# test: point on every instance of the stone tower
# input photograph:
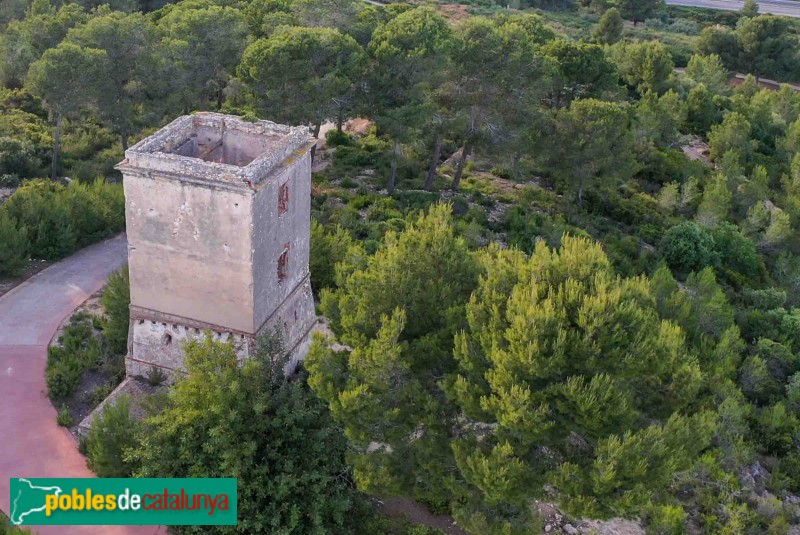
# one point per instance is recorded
(218, 222)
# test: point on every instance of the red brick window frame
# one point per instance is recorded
(283, 263)
(283, 198)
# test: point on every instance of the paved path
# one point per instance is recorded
(33, 445)
(788, 8)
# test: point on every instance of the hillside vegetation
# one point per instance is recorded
(556, 269)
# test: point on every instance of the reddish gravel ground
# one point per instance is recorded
(33, 444)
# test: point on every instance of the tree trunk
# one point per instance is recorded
(515, 164)
(393, 176)
(461, 164)
(56, 147)
(124, 141)
(340, 119)
(220, 98)
(580, 197)
(392, 179)
(317, 127)
(437, 153)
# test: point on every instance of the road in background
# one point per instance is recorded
(788, 8)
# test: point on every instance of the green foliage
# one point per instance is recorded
(126, 61)
(64, 418)
(638, 10)
(25, 41)
(116, 300)
(644, 65)
(110, 439)
(609, 29)
(737, 253)
(688, 247)
(276, 70)
(226, 419)
(328, 248)
(776, 430)
(59, 219)
(13, 246)
(716, 203)
(7, 529)
(709, 71)
(428, 287)
(78, 350)
(734, 134)
(750, 8)
(525, 304)
(760, 45)
(337, 138)
(582, 70)
(207, 42)
(658, 119)
(63, 373)
(591, 145)
(17, 157)
(519, 336)
(667, 520)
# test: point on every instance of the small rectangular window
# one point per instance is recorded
(283, 263)
(283, 198)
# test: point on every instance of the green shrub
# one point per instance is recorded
(100, 392)
(116, 300)
(112, 434)
(353, 157)
(328, 248)
(17, 157)
(63, 373)
(59, 219)
(336, 138)
(9, 181)
(7, 529)
(64, 417)
(13, 246)
(776, 430)
(80, 350)
(737, 252)
(688, 247)
(667, 520)
(156, 376)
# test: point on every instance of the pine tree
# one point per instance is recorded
(111, 437)
(749, 9)
(249, 421)
(609, 29)
(116, 299)
(716, 202)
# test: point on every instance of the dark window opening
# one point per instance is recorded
(283, 198)
(283, 263)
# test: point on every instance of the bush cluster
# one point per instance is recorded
(47, 220)
(79, 350)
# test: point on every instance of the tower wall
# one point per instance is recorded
(190, 250)
(218, 221)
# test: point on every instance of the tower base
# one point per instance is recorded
(156, 339)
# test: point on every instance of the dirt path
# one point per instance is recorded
(34, 445)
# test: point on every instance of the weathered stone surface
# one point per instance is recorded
(138, 391)
(206, 232)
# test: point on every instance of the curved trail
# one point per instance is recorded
(33, 444)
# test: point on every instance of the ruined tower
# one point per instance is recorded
(218, 222)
